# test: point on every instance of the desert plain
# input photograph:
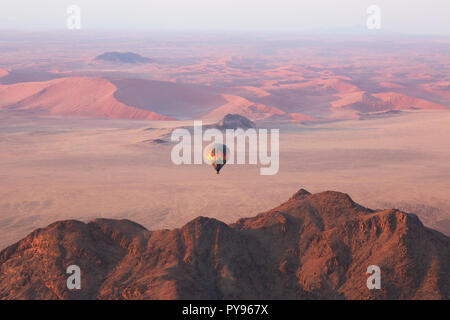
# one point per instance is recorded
(57, 169)
(78, 136)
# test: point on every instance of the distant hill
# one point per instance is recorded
(234, 121)
(123, 57)
(314, 246)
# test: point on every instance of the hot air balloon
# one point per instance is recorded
(217, 156)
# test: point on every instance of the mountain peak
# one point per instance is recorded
(300, 194)
(340, 198)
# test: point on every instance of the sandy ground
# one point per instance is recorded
(54, 169)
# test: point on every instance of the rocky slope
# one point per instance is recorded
(314, 246)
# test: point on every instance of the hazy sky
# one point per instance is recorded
(405, 16)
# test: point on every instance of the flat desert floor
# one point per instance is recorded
(72, 168)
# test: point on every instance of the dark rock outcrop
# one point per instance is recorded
(123, 57)
(234, 121)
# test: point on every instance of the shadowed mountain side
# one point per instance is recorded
(314, 246)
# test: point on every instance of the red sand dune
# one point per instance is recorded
(315, 97)
(244, 107)
(325, 96)
(438, 89)
(168, 98)
(300, 117)
(333, 85)
(338, 85)
(346, 99)
(391, 85)
(12, 94)
(252, 110)
(400, 101)
(366, 102)
(76, 96)
(253, 91)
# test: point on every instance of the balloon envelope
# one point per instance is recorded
(217, 156)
